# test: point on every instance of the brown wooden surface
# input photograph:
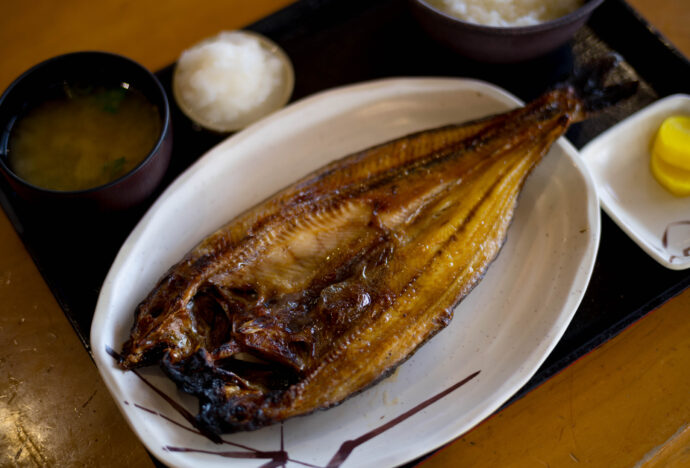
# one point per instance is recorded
(671, 17)
(623, 405)
(54, 409)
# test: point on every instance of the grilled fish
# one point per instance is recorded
(327, 286)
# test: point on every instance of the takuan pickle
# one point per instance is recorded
(670, 160)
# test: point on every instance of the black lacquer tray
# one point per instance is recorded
(339, 42)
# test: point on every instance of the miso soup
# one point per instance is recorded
(84, 137)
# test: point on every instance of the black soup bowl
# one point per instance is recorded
(53, 78)
(500, 44)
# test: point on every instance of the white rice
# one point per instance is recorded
(507, 12)
(225, 79)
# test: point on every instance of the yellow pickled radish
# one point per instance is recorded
(672, 142)
(670, 161)
(674, 179)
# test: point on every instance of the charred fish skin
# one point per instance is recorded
(318, 292)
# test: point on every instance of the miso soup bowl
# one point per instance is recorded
(38, 82)
(499, 44)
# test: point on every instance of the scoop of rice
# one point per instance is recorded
(225, 79)
(507, 12)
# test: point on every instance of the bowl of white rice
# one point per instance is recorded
(231, 80)
(503, 31)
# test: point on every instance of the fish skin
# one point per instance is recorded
(321, 290)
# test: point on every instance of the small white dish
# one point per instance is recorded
(656, 220)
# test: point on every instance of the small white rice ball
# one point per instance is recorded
(225, 80)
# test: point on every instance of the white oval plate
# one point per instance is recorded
(655, 219)
(504, 329)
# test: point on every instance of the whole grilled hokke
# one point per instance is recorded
(331, 283)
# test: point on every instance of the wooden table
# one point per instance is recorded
(622, 404)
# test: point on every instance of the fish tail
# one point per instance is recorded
(589, 83)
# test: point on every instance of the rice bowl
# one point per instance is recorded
(231, 80)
